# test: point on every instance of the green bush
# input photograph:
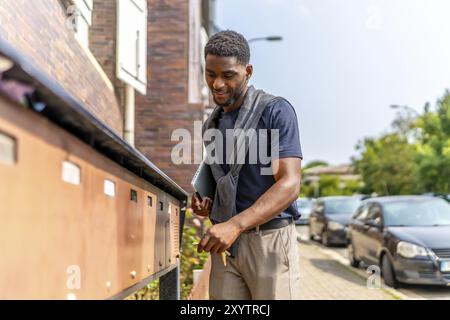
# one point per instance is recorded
(190, 259)
(149, 292)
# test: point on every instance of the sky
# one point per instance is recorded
(342, 63)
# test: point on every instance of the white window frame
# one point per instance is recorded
(83, 20)
(195, 71)
(132, 36)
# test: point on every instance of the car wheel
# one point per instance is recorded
(325, 240)
(312, 237)
(355, 263)
(388, 272)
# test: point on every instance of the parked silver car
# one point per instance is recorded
(304, 206)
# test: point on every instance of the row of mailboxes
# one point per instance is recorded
(75, 224)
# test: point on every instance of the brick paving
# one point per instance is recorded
(325, 279)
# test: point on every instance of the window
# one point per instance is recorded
(80, 18)
(319, 207)
(132, 43)
(422, 211)
(374, 213)
(341, 205)
(197, 42)
(362, 213)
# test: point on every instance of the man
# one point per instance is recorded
(265, 262)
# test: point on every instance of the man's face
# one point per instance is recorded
(226, 78)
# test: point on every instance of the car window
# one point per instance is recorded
(304, 203)
(358, 213)
(341, 205)
(319, 205)
(374, 213)
(362, 213)
(417, 212)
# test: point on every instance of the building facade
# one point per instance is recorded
(175, 91)
(105, 83)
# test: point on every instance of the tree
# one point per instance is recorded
(387, 165)
(330, 185)
(316, 163)
(434, 151)
(415, 158)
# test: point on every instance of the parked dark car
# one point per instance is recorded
(407, 236)
(304, 206)
(330, 217)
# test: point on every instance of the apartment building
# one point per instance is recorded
(90, 91)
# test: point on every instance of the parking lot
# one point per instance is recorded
(353, 284)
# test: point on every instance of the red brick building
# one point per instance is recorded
(175, 95)
(100, 71)
(167, 105)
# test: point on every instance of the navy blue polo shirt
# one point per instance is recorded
(278, 114)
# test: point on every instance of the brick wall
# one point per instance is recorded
(165, 107)
(38, 29)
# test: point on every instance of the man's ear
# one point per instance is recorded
(249, 71)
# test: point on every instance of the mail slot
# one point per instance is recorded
(133, 195)
(8, 151)
(149, 201)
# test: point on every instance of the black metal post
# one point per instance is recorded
(169, 285)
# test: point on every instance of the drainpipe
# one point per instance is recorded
(129, 114)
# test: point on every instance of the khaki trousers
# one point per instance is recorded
(266, 268)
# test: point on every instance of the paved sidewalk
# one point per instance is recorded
(323, 278)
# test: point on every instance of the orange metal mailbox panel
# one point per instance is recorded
(75, 224)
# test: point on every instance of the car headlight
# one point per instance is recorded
(334, 226)
(409, 250)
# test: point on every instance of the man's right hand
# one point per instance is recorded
(201, 208)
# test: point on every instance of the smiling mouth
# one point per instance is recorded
(220, 94)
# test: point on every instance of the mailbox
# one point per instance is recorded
(83, 214)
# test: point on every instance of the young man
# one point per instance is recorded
(252, 212)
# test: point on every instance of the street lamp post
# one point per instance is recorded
(407, 108)
(269, 38)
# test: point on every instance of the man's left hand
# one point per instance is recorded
(219, 237)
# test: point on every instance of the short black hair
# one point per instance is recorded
(229, 44)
